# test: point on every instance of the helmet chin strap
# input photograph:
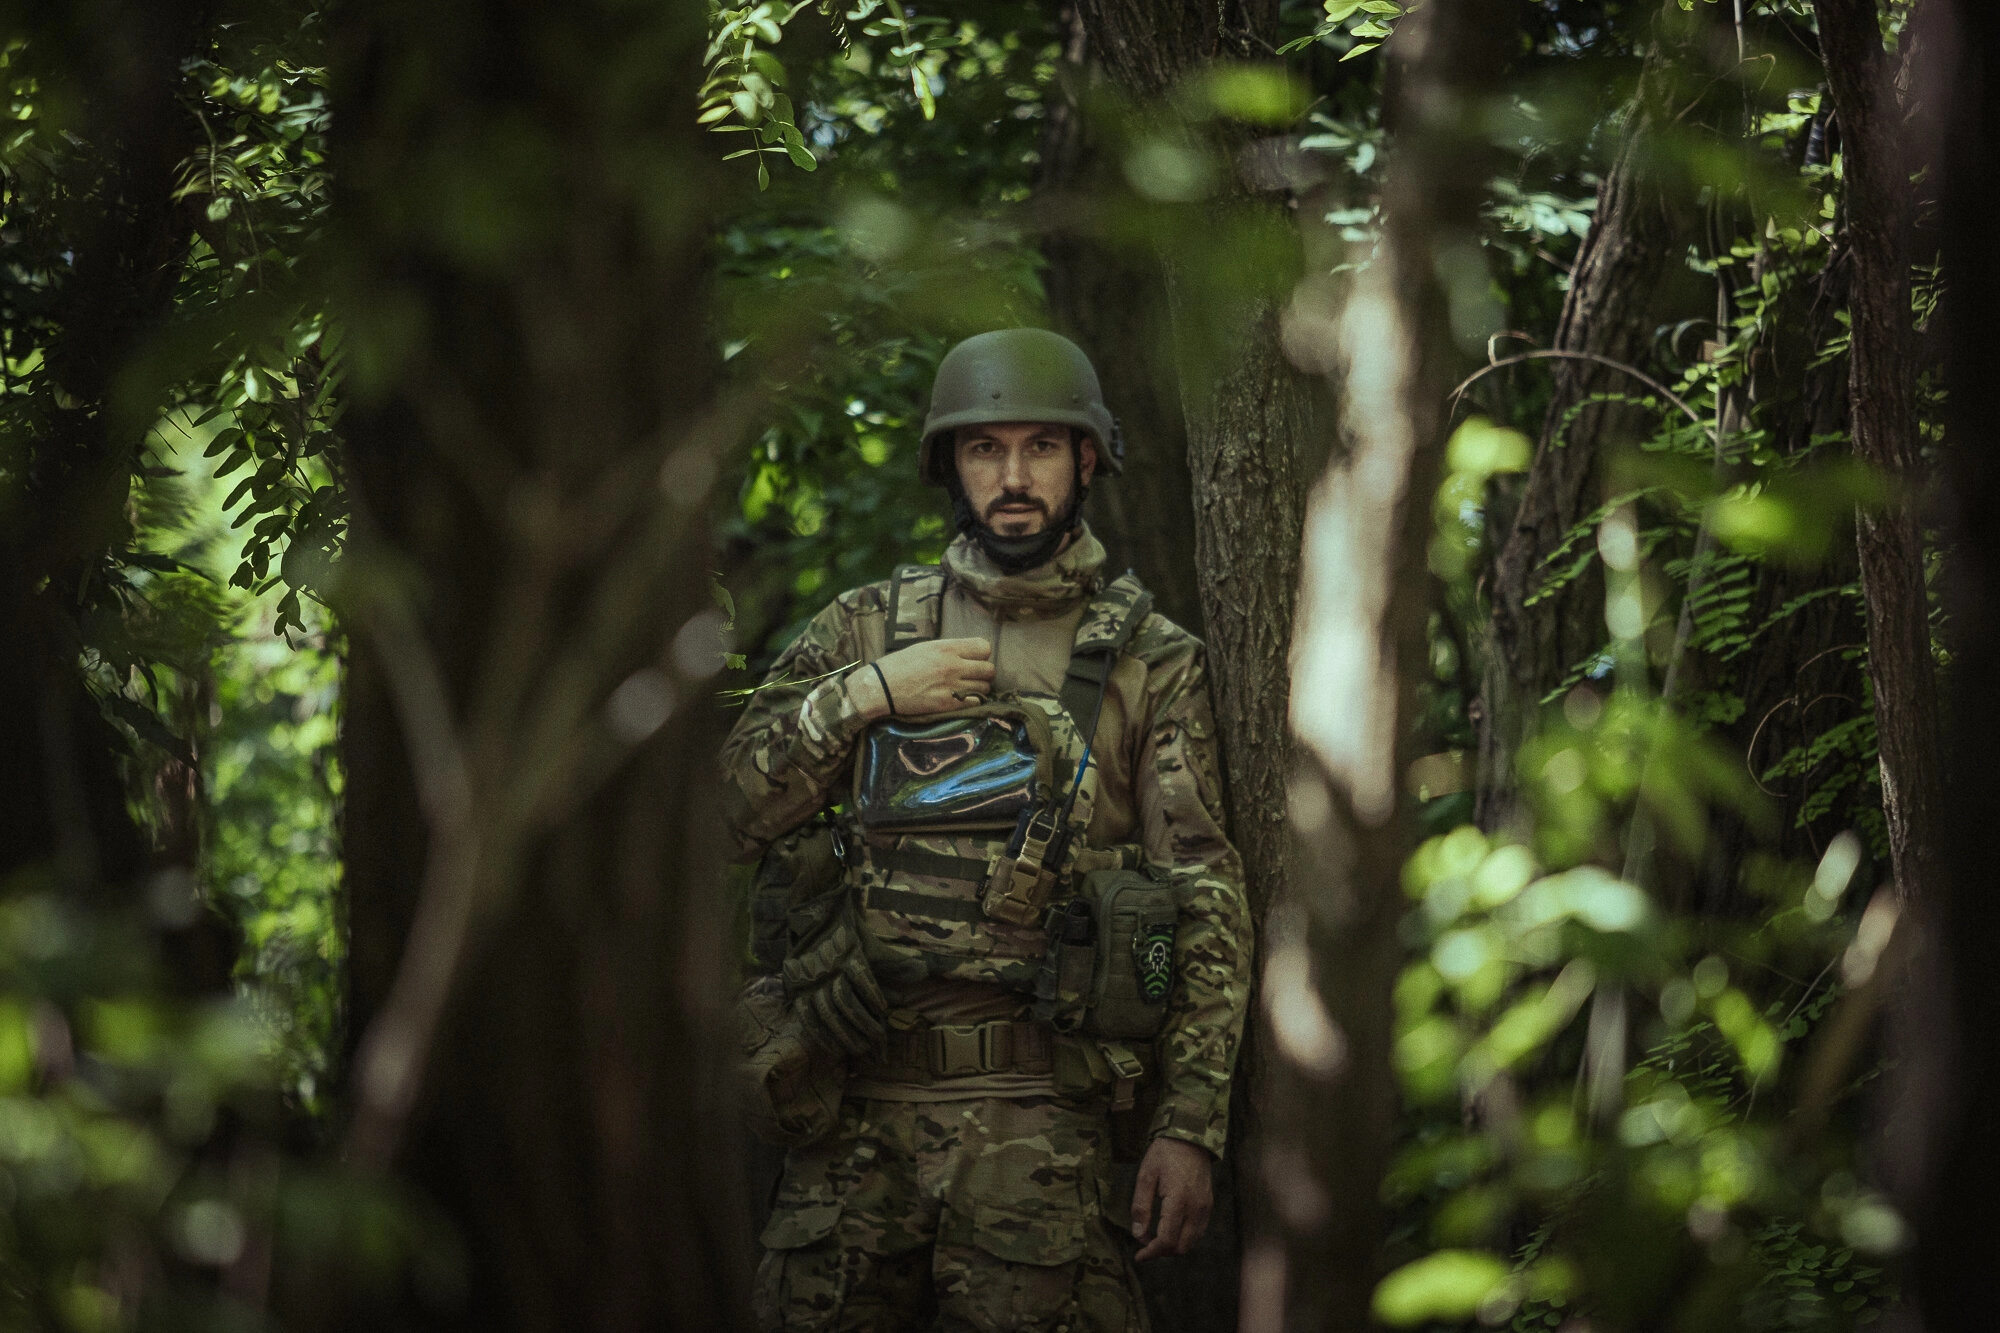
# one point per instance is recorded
(1018, 555)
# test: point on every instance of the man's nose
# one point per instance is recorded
(1014, 470)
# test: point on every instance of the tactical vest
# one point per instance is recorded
(972, 823)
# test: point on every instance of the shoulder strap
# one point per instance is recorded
(1108, 624)
(916, 608)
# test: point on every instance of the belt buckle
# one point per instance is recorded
(957, 1050)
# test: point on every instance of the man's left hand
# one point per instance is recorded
(1177, 1173)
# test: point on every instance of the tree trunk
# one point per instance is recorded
(1948, 1080)
(1362, 661)
(538, 967)
(1645, 217)
(1803, 676)
(63, 806)
(1882, 398)
(1112, 301)
(1249, 417)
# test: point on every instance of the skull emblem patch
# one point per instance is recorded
(1153, 959)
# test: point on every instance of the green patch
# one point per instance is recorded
(1153, 960)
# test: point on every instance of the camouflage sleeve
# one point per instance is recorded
(790, 749)
(1181, 819)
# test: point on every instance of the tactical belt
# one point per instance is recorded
(954, 1050)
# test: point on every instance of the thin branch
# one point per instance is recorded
(1556, 354)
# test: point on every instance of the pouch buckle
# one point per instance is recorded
(961, 1049)
(1126, 1071)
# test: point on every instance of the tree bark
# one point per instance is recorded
(1803, 676)
(1249, 417)
(1882, 400)
(1639, 233)
(1361, 665)
(1948, 1079)
(65, 812)
(1112, 301)
(539, 977)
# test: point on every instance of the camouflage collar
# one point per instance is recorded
(1047, 589)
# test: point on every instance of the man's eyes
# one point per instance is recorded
(1043, 446)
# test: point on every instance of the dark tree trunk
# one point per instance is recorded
(1249, 419)
(1646, 215)
(538, 961)
(1882, 399)
(1367, 583)
(63, 804)
(1112, 301)
(1250, 416)
(1949, 1079)
(1804, 675)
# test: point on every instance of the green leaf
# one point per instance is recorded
(1448, 1286)
(148, 726)
(1255, 94)
(802, 158)
(1359, 49)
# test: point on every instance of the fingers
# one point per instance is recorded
(970, 648)
(1196, 1225)
(1142, 1198)
(1167, 1240)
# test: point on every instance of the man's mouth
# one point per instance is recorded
(1015, 509)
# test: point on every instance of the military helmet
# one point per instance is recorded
(1016, 375)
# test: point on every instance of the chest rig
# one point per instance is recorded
(972, 823)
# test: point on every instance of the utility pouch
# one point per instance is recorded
(1090, 1069)
(795, 871)
(1018, 890)
(977, 768)
(1136, 915)
(789, 1087)
(1062, 990)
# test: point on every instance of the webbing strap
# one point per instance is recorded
(930, 906)
(937, 865)
(1090, 662)
(1084, 685)
(893, 636)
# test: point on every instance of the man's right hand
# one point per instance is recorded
(932, 677)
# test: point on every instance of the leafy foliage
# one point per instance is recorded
(1544, 1173)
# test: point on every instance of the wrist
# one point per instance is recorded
(865, 692)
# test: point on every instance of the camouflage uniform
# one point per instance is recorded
(982, 1197)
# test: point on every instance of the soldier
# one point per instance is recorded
(1042, 915)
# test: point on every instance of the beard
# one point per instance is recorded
(992, 517)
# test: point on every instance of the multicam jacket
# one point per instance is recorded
(792, 754)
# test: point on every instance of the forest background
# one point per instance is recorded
(1559, 418)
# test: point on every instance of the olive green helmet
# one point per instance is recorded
(1016, 375)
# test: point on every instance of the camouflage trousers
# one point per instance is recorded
(985, 1214)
